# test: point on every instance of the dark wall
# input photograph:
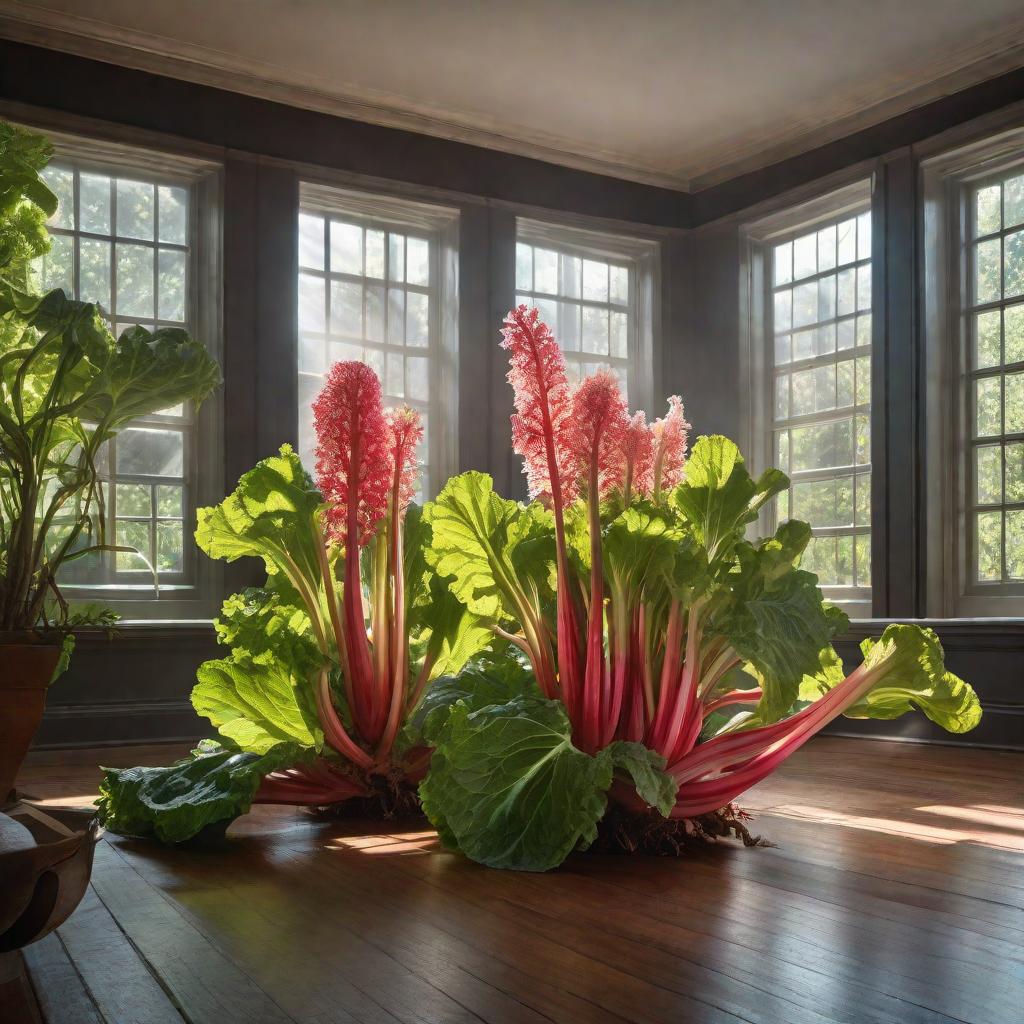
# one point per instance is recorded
(136, 686)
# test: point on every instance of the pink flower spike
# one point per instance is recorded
(543, 415)
(670, 434)
(406, 430)
(600, 420)
(638, 451)
(353, 455)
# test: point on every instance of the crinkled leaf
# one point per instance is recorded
(475, 536)
(718, 497)
(258, 704)
(149, 371)
(646, 770)
(481, 684)
(173, 804)
(509, 788)
(261, 624)
(914, 675)
(776, 619)
(268, 515)
(640, 547)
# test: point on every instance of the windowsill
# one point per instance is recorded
(988, 633)
(136, 631)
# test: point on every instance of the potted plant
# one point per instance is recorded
(66, 388)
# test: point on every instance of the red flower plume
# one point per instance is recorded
(670, 438)
(353, 455)
(406, 432)
(638, 453)
(543, 416)
(600, 420)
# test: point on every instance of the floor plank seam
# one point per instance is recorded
(201, 931)
(145, 961)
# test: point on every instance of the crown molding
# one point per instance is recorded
(965, 67)
(882, 99)
(141, 51)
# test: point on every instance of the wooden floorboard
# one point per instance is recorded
(894, 895)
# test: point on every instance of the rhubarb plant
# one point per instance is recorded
(328, 662)
(673, 662)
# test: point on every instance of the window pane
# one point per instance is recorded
(594, 333)
(1013, 200)
(136, 207)
(94, 203)
(986, 270)
(986, 339)
(171, 304)
(1013, 264)
(346, 248)
(524, 266)
(173, 214)
(56, 268)
(818, 320)
(62, 183)
(170, 537)
(989, 475)
(94, 270)
(132, 244)
(805, 256)
(145, 452)
(988, 419)
(377, 287)
(311, 241)
(417, 262)
(989, 545)
(986, 210)
(1013, 334)
(135, 280)
(782, 261)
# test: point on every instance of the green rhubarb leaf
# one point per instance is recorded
(913, 675)
(775, 617)
(262, 624)
(718, 497)
(149, 371)
(173, 804)
(257, 704)
(646, 770)
(508, 788)
(475, 537)
(481, 684)
(269, 515)
(640, 546)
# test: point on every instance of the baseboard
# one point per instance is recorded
(116, 723)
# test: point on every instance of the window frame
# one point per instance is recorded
(758, 239)
(948, 180)
(643, 257)
(440, 224)
(194, 593)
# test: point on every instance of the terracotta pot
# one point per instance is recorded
(25, 673)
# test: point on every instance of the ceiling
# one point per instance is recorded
(681, 93)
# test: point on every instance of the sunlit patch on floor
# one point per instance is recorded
(913, 824)
(412, 843)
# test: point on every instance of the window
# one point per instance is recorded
(377, 283)
(994, 324)
(125, 236)
(595, 292)
(816, 379)
(973, 287)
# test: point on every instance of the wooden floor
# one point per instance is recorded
(895, 893)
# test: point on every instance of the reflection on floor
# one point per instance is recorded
(895, 893)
